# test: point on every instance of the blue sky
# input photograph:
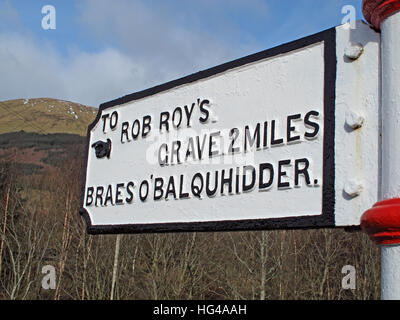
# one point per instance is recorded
(103, 49)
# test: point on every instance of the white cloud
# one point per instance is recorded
(163, 39)
(141, 46)
(29, 70)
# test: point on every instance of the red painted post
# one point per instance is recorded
(376, 11)
(382, 221)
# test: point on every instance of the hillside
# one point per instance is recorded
(40, 134)
(32, 151)
(45, 115)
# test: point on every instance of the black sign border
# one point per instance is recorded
(326, 219)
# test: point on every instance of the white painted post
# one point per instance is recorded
(390, 273)
(390, 55)
(382, 222)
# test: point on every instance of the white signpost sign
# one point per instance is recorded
(284, 138)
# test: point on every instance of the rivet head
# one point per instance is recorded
(354, 51)
(352, 188)
(354, 120)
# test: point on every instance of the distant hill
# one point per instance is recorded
(34, 151)
(40, 134)
(44, 116)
